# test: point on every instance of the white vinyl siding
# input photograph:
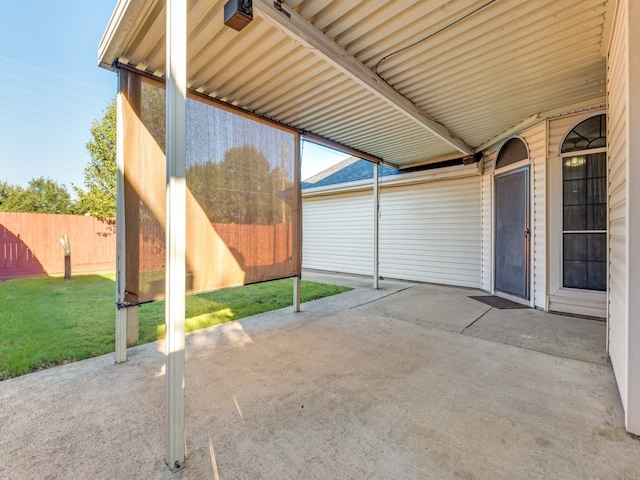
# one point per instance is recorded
(487, 225)
(337, 233)
(429, 232)
(617, 126)
(536, 141)
(534, 137)
(487, 222)
(432, 232)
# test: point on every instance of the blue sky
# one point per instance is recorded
(51, 90)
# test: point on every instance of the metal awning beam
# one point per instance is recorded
(298, 28)
(325, 142)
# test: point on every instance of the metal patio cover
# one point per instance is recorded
(405, 81)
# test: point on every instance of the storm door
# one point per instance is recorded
(512, 233)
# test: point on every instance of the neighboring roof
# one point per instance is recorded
(456, 74)
(350, 170)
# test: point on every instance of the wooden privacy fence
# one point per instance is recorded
(254, 245)
(30, 244)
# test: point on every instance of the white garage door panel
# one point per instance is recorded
(432, 232)
(429, 232)
(338, 233)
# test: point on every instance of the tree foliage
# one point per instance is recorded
(98, 198)
(6, 192)
(153, 112)
(42, 195)
(242, 188)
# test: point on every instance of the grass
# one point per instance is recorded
(47, 321)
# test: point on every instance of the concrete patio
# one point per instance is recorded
(411, 381)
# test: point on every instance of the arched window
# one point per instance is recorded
(587, 135)
(584, 215)
(513, 151)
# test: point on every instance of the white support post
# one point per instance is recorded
(632, 413)
(175, 231)
(376, 211)
(121, 263)
(296, 294)
(133, 325)
(297, 235)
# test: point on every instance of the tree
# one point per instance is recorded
(6, 191)
(242, 188)
(9, 196)
(99, 196)
(42, 195)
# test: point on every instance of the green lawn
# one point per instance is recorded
(46, 321)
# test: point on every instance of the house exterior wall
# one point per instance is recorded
(623, 95)
(536, 140)
(633, 230)
(560, 299)
(487, 220)
(430, 231)
(337, 233)
(534, 137)
(442, 231)
(617, 145)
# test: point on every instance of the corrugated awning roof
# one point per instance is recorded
(476, 67)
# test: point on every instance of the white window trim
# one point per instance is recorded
(591, 303)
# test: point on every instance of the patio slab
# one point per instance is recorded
(341, 390)
(571, 337)
(439, 306)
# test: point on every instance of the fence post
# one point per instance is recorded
(296, 294)
(66, 247)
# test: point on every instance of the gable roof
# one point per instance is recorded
(349, 170)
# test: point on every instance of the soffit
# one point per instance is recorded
(477, 77)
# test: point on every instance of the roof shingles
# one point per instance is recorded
(351, 169)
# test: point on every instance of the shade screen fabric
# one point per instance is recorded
(243, 194)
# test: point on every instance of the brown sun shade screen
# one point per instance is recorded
(243, 194)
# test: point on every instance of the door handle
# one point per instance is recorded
(526, 233)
